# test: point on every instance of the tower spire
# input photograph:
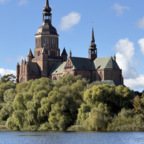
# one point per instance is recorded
(47, 3)
(47, 9)
(92, 48)
(92, 38)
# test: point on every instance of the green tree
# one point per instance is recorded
(8, 77)
(7, 108)
(4, 87)
(126, 120)
(137, 105)
(98, 118)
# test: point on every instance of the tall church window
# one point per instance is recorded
(101, 76)
(108, 75)
(48, 53)
(115, 76)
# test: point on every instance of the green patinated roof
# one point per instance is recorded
(105, 63)
(86, 64)
(81, 63)
(58, 68)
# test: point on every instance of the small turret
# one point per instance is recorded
(64, 55)
(30, 56)
(114, 58)
(70, 54)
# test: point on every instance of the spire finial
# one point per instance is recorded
(47, 3)
(47, 9)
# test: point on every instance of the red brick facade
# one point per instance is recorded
(47, 56)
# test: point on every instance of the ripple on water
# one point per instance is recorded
(71, 138)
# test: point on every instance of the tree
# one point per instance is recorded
(137, 105)
(98, 118)
(7, 108)
(8, 77)
(4, 87)
(126, 120)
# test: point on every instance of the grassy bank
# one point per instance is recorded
(3, 128)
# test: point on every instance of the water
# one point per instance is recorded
(71, 138)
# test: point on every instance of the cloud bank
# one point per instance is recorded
(141, 43)
(125, 52)
(120, 9)
(6, 71)
(70, 20)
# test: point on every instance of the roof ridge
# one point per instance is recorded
(81, 58)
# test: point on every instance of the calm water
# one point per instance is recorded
(71, 138)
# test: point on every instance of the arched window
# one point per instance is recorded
(54, 78)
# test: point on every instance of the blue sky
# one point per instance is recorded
(118, 27)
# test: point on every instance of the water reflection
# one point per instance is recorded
(71, 138)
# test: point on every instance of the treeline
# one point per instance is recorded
(70, 103)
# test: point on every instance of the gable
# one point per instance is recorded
(69, 64)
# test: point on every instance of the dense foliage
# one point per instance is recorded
(70, 103)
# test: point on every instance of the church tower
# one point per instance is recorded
(46, 35)
(92, 48)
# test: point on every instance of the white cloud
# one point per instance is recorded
(140, 23)
(22, 2)
(120, 9)
(6, 71)
(141, 43)
(125, 52)
(70, 20)
(138, 82)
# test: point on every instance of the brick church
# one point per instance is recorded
(48, 62)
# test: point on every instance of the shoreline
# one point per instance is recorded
(3, 128)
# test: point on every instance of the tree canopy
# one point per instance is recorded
(70, 103)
